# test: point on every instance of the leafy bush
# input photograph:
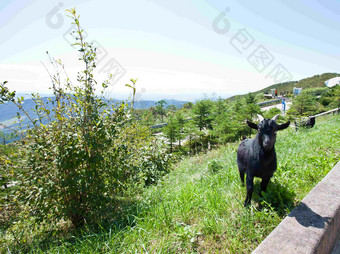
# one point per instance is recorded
(304, 104)
(331, 98)
(271, 112)
(229, 127)
(9, 208)
(83, 150)
(316, 91)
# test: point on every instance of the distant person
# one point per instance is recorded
(283, 105)
(275, 92)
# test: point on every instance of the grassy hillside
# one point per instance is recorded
(198, 206)
(315, 81)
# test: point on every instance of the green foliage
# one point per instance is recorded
(220, 106)
(71, 170)
(238, 106)
(312, 101)
(197, 208)
(192, 134)
(316, 80)
(223, 121)
(316, 91)
(330, 98)
(81, 154)
(5, 94)
(133, 87)
(171, 109)
(148, 117)
(180, 120)
(218, 122)
(160, 109)
(271, 112)
(303, 104)
(202, 110)
(336, 97)
(188, 105)
(143, 159)
(251, 109)
(9, 208)
(250, 98)
(228, 127)
(214, 166)
(171, 131)
(5, 137)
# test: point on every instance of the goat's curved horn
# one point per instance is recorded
(260, 117)
(275, 117)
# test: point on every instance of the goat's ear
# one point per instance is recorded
(252, 125)
(284, 125)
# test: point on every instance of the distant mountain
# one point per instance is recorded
(150, 103)
(8, 111)
(315, 81)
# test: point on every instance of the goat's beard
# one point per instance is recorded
(268, 148)
(267, 143)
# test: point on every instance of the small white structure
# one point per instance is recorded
(272, 91)
(333, 82)
(297, 90)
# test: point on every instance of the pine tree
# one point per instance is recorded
(203, 110)
(171, 131)
(160, 109)
(303, 105)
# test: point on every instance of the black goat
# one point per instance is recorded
(257, 157)
(307, 124)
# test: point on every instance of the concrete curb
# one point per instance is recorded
(312, 226)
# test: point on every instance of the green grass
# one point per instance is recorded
(198, 206)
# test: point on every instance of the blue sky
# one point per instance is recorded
(176, 49)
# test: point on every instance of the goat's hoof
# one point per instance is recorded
(246, 204)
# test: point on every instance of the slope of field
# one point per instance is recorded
(198, 206)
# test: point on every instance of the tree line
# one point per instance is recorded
(207, 123)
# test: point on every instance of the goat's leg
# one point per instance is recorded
(264, 184)
(242, 175)
(250, 189)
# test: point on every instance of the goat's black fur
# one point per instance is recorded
(257, 157)
(307, 124)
